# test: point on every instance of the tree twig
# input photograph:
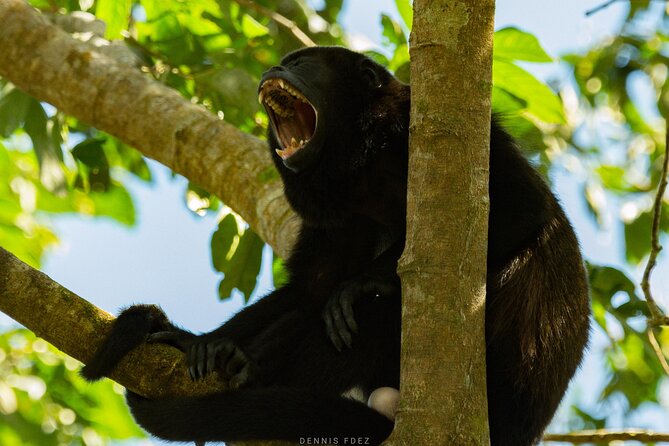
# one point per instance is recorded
(606, 436)
(596, 9)
(657, 317)
(605, 5)
(658, 350)
(280, 19)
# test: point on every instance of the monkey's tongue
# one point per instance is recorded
(295, 131)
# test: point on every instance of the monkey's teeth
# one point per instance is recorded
(286, 153)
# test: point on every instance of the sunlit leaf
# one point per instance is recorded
(13, 109)
(542, 102)
(46, 143)
(514, 44)
(115, 203)
(252, 28)
(279, 272)
(222, 241)
(242, 268)
(405, 8)
(115, 13)
(392, 32)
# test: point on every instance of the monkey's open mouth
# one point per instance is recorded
(291, 114)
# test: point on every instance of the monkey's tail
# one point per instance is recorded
(271, 413)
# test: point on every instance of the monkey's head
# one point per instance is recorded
(332, 113)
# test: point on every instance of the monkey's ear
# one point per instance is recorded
(371, 74)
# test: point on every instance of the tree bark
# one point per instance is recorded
(80, 80)
(77, 327)
(443, 377)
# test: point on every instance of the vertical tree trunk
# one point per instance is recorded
(443, 268)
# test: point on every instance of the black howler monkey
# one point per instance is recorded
(302, 360)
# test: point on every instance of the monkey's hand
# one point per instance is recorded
(340, 323)
(129, 330)
(206, 354)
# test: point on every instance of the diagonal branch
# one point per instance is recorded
(601, 7)
(77, 328)
(76, 78)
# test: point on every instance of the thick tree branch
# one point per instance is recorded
(49, 64)
(77, 328)
(607, 436)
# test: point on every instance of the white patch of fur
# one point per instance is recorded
(355, 393)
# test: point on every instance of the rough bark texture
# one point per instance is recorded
(443, 267)
(79, 80)
(77, 327)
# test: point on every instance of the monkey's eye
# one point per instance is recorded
(291, 115)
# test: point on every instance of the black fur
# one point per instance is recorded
(289, 367)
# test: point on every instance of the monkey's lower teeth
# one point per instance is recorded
(291, 149)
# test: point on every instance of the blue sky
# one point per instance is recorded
(165, 258)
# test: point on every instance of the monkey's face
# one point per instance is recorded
(316, 100)
(336, 118)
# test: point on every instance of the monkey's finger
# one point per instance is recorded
(191, 360)
(211, 360)
(243, 377)
(201, 360)
(346, 300)
(332, 334)
(236, 362)
(341, 327)
(224, 352)
(349, 316)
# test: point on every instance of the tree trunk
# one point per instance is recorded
(443, 268)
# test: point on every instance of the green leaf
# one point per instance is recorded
(606, 281)
(613, 178)
(392, 32)
(637, 238)
(505, 103)
(222, 240)
(279, 272)
(45, 137)
(115, 13)
(92, 155)
(115, 203)
(252, 28)
(241, 270)
(405, 9)
(514, 44)
(13, 109)
(542, 102)
(531, 139)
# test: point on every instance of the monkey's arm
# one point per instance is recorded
(378, 280)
